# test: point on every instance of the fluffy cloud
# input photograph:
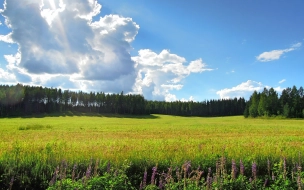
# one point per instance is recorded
(159, 74)
(7, 77)
(6, 38)
(61, 45)
(59, 40)
(244, 89)
(276, 54)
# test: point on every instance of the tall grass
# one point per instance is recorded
(30, 148)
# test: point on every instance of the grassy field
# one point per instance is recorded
(148, 140)
(157, 138)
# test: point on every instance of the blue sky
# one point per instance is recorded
(166, 50)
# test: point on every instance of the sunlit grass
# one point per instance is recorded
(163, 139)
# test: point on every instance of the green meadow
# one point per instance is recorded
(35, 146)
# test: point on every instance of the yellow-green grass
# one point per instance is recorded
(169, 140)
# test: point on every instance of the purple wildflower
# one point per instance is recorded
(233, 170)
(145, 179)
(299, 181)
(187, 166)
(154, 169)
(217, 171)
(178, 174)
(242, 168)
(168, 175)
(88, 172)
(73, 172)
(165, 177)
(254, 170)
(160, 185)
(54, 178)
(209, 182)
(284, 168)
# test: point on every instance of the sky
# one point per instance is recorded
(165, 50)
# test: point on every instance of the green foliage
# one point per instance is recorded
(286, 110)
(34, 127)
(220, 179)
(115, 179)
(266, 104)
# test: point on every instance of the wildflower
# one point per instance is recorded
(242, 168)
(299, 180)
(88, 172)
(284, 168)
(178, 174)
(254, 170)
(217, 171)
(154, 169)
(54, 178)
(160, 185)
(186, 166)
(169, 175)
(164, 176)
(73, 172)
(145, 179)
(209, 181)
(233, 170)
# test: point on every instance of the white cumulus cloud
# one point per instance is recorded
(65, 43)
(242, 90)
(276, 54)
(159, 74)
(59, 40)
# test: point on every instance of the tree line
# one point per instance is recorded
(289, 104)
(20, 100)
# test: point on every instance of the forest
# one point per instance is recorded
(23, 100)
(290, 104)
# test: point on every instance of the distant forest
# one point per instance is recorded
(289, 104)
(20, 100)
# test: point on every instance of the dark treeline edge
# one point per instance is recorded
(22, 100)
